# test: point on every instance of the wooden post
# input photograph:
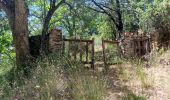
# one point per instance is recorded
(139, 47)
(135, 47)
(145, 46)
(149, 44)
(87, 49)
(117, 49)
(104, 56)
(75, 51)
(69, 47)
(92, 65)
(63, 45)
(81, 52)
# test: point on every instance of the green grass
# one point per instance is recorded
(5, 68)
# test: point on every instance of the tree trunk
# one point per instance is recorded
(43, 49)
(120, 22)
(20, 32)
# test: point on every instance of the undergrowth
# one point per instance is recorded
(54, 78)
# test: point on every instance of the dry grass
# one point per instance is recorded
(63, 79)
(56, 79)
(142, 81)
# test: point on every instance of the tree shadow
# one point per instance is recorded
(118, 91)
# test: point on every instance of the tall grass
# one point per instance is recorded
(138, 64)
(55, 78)
(86, 85)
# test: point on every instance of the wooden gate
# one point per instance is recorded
(104, 43)
(80, 49)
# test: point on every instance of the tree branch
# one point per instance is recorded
(47, 19)
(60, 3)
(3, 6)
(95, 10)
(111, 9)
(69, 5)
(7, 6)
(106, 12)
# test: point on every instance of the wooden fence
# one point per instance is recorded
(83, 50)
(142, 46)
(132, 47)
(79, 48)
(104, 42)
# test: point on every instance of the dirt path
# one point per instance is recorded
(131, 82)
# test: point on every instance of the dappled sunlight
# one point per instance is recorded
(84, 49)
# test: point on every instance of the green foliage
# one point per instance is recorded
(6, 41)
(5, 36)
(104, 28)
(130, 15)
(151, 13)
(6, 48)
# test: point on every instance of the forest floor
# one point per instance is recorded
(131, 81)
(126, 80)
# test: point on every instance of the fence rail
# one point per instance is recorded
(104, 42)
(81, 49)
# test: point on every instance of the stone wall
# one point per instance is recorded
(128, 46)
(55, 40)
(134, 45)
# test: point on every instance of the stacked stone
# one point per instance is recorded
(154, 41)
(128, 46)
(55, 40)
(135, 45)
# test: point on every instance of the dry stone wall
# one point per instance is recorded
(136, 45)
(55, 40)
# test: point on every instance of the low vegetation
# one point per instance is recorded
(55, 78)
(62, 79)
(127, 43)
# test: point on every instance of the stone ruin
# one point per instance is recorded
(53, 42)
(135, 45)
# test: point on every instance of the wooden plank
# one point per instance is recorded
(87, 44)
(108, 41)
(79, 40)
(139, 48)
(149, 45)
(92, 65)
(87, 51)
(81, 52)
(69, 45)
(84, 62)
(63, 50)
(104, 55)
(75, 52)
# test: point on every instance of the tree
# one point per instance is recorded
(51, 11)
(75, 19)
(17, 14)
(112, 9)
(154, 19)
